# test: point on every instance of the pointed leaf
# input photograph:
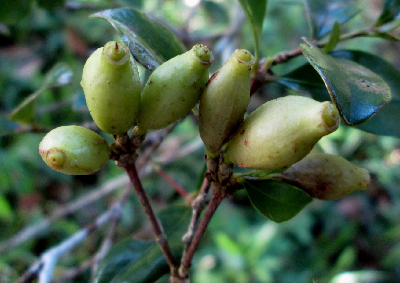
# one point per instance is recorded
(358, 92)
(141, 261)
(322, 15)
(385, 122)
(255, 12)
(390, 12)
(149, 41)
(276, 200)
(334, 38)
(306, 79)
(59, 75)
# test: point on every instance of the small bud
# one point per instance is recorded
(112, 88)
(325, 176)
(173, 89)
(74, 150)
(224, 100)
(281, 132)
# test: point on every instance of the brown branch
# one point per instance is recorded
(171, 181)
(186, 262)
(198, 206)
(161, 238)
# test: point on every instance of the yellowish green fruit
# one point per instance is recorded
(224, 101)
(173, 89)
(325, 176)
(74, 150)
(281, 132)
(112, 88)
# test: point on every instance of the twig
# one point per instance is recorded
(161, 238)
(37, 228)
(44, 267)
(186, 262)
(198, 206)
(171, 181)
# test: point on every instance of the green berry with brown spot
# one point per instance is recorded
(224, 101)
(173, 89)
(281, 132)
(112, 88)
(325, 176)
(74, 150)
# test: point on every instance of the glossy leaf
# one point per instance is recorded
(150, 43)
(306, 79)
(59, 75)
(276, 200)
(255, 12)
(322, 15)
(365, 276)
(142, 261)
(358, 92)
(385, 122)
(390, 12)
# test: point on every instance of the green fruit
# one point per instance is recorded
(282, 132)
(74, 150)
(224, 101)
(173, 89)
(325, 176)
(112, 88)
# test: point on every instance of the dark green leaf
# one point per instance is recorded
(334, 38)
(322, 15)
(276, 200)
(385, 122)
(50, 4)
(139, 261)
(6, 126)
(59, 75)
(358, 92)
(390, 12)
(306, 79)
(13, 11)
(255, 12)
(150, 43)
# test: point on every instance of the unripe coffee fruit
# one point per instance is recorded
(74, 150)
(173, 89)
(224, 101)
(112, 88)
(281, 132)
(325, 176)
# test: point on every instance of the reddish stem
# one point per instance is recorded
(160, 236)
(170, 181)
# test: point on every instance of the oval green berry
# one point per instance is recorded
(325, 176)
(281, 132)
(74, 150)
(112, 88)
(224, 101)
(173, 89)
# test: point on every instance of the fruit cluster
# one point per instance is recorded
(278, 134)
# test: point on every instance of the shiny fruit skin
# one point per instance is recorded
(325, 176)
(74, 150)
(173, 89)
(224, 101)
(281, 132)
(112, 88)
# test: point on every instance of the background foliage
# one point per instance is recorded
(43, 46)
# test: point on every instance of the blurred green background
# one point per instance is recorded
(359, 234)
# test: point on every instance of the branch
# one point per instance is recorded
(37, 228)
(44, 267)
(171, 181)
(186, 261)
(198, 206)
(161, 238)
